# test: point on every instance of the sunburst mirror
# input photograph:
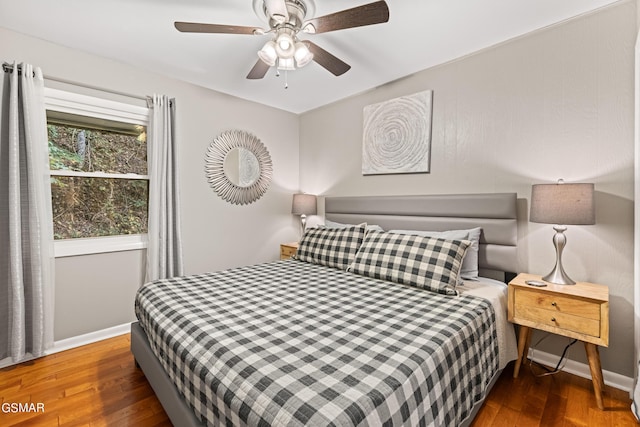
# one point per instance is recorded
(238, 167)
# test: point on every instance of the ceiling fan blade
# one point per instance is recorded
(334, 65)
(194, 27)
(258, 71)
(368, 14)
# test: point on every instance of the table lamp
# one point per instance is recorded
(303, 205)
(562, 204)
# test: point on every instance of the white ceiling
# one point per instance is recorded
(419, 34)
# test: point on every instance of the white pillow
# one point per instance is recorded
(469, 269)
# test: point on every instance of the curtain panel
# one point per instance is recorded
(635, 394)
(164, 250)
(26, 226)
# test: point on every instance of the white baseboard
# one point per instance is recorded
(73, 342)
(89, 338)
(582, 370)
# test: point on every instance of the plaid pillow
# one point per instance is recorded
(469, 269)
(425, 262)
(333, 247)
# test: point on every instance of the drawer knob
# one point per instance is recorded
(553, 319)
(554, 304)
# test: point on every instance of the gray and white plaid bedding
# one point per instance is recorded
(290, 343)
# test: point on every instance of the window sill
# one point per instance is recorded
(98, 245)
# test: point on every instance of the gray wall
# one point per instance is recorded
(94, 292)
(557, 103)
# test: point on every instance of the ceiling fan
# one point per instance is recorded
(286, 19)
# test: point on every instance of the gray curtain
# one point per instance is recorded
(164, 251)
(635, 405)
(26, 226)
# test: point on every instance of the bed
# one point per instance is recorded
(296, 342)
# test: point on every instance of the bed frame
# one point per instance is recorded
(494, 212)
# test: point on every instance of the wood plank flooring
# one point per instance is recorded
(562, 400)
(98, 385)
(93, 385)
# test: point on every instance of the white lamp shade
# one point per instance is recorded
(268, 53)
(303, 55)
(304, 204)
(563, 204)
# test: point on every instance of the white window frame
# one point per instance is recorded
(84, 105)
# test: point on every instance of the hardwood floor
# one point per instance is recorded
(98, 385)
(93, 385)
(562, 400)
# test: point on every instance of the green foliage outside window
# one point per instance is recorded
(85, 206)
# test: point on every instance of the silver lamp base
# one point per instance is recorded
(558, 275)
(303, 223)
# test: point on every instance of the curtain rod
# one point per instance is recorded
(8, 68)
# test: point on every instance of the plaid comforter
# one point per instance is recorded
(290, 343)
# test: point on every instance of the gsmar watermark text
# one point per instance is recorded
(15, 407)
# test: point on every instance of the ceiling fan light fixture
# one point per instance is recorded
(286, 64)
(302, 55)
(268, 53)
(285, 46)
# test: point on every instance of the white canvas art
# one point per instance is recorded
(397, 135)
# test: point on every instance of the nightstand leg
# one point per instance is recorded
(524, 340)
(596, 371)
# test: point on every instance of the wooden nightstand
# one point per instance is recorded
(287, 250)
(578, 311)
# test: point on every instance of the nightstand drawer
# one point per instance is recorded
(555, 319)
(558, 304)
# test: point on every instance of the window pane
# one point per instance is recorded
(93, 145)
(94, 207)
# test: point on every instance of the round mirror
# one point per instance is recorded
(238, 167)
(241, 167)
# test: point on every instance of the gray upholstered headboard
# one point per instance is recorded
(494, 212)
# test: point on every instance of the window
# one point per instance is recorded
(99, 181)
